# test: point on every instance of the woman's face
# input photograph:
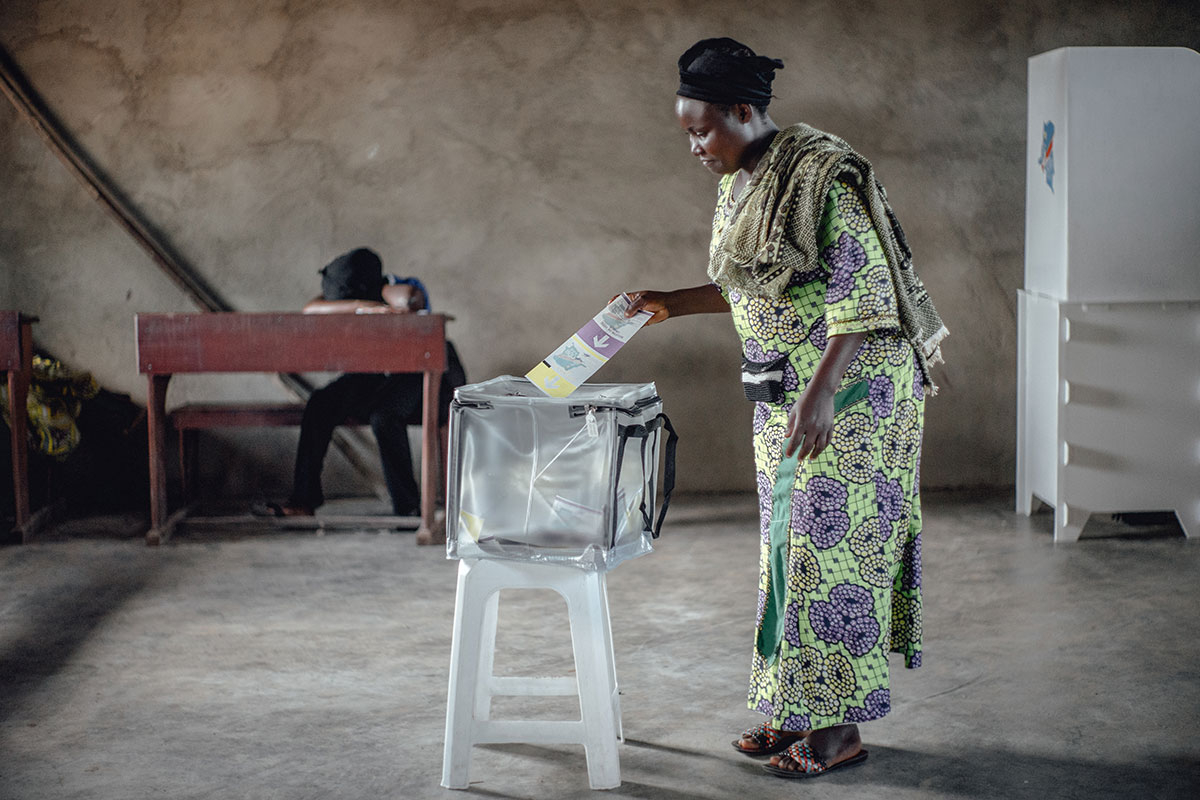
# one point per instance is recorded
(718, 139)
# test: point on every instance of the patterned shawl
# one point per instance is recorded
(755, 255)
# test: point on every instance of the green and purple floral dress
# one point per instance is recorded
(840, 580)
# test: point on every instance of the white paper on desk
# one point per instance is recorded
(578, 358)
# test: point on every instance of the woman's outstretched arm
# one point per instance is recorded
(706, 299)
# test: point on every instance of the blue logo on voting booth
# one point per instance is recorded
(1046, 159)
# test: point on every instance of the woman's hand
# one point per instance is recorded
(810, 423)
(657, 303)
(706, 299)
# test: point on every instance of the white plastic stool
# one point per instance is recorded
(472, 684)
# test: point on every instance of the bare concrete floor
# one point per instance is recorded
(290, 665)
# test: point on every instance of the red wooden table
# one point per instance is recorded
(16, 359)
(168, 344)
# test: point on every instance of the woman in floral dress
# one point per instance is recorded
(808, 257)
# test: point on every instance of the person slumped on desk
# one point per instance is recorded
(354, 283)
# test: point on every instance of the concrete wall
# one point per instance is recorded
(522, 157)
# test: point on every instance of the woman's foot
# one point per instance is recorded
(830, 746)
(762, 740)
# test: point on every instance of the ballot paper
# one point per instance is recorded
(577, 359)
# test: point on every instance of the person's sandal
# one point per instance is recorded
(768, 741)
(278, 510)
(810, 766)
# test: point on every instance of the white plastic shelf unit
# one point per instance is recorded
(1108, 399)
(1108, 411)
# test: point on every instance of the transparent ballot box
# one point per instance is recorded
(565, 480)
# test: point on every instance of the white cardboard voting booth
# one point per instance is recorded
(1108, 402)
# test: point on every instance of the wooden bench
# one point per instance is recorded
(16, 359)
(168, 344)
(188, 419)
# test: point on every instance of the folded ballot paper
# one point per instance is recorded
(577, 359)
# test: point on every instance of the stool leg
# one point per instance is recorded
(612, 658)
(594, 671)
(465, 657)
(487, 657)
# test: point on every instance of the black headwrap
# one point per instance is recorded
(726, 72)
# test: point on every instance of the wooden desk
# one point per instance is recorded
(287, 342)
(16, 359)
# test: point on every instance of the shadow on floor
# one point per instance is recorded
(1005, 773)
(971, 773)
(58, 621)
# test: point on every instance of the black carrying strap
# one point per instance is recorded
(627, 432)
(668, 472)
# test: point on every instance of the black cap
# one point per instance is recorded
(357, 275)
